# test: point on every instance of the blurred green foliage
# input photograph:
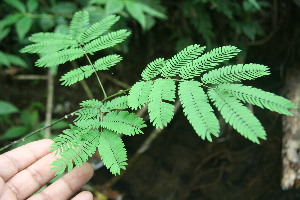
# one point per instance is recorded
(222, 21)
(20, 18)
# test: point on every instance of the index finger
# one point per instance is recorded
(18, 159)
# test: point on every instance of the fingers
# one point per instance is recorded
(85, 195)
(18, 159)
(1, 186)
(31, 179)
(66, 186)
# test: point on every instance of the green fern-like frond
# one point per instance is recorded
(191, 70)
(208, 60)
(139, 93)
(259, 98)
(161, 113)
(77, 75)
(81, 73)
(153, 69)
(92, 106)
(112, 151)
(91, 103)
(48, 46)
(180, 60)
(97, 29)
(48, 42)
(93, 123)
(123, 122)
(60, 57)
(234, 73)
(67, 140)
(237, 115)
(117, 103)
(163, 89)
(107, 62)
(88, 113)
(79, 153)
(79, 23)
(197, 109)
(48, 36)
(106, 41)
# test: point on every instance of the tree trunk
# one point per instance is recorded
(291, 138)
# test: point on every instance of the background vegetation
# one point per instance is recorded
(178, 165)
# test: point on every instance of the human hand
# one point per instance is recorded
(24, 170)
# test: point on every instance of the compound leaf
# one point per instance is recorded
(67, 140)
(112, 151)
(98, 28)
(237, 115)
(106, 41)
(153, 69)
(208, 60)
(84, 72)
(107, 62)
(76, 75)
(92, 103)
(117, 103)
(90, 109)
(173, 66)
(79, 23)
(81, 149)
(163, 89)
(198, 110)
(60, 57)
(139, 93)
(49, 46)
(88, 113)
(48, 36)
(259, 98)
(123, 122)
(234, 73)
(161, 113)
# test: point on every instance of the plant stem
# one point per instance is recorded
(36, 131)
(83, 83)
(116, 94)
(99, 81)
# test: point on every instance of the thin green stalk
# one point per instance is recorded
(83, 83)
(116, 94)
(105, 95)
(99, 81)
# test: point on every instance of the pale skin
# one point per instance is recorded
(24, 170)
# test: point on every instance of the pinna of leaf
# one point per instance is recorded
(197, 78)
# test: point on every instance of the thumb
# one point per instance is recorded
(85, 195)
